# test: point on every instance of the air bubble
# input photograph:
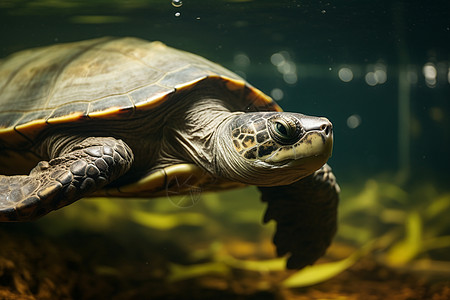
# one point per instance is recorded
(277, 59)
(353, 121)
(371, 79)
(177, 14)
(290, 78)
(177, 3)
(345, 74)
(277, 94)
(241, 60)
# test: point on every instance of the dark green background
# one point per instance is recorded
(320, 36)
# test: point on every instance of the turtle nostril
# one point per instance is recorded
(326, 128)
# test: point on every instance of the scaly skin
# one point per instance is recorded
(64, 179)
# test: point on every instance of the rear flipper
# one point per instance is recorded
(64, 179)
(306, 216)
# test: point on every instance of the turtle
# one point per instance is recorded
(125, 117)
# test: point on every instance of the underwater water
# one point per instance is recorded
(378, 70)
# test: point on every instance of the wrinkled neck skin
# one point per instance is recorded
(194, 138)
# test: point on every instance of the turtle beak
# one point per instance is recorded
(316, 145)
(313, 148)
(321, 125)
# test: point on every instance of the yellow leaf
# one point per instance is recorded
(318, 273)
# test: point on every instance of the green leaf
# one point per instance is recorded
(276, 264)
(408, 248)
(319, 273)
(167, 222)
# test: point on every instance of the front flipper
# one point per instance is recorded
(306, 216)
(64, 179)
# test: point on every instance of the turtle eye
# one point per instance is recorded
(282, 129)
(285, 131)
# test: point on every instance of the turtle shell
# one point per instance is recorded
(101, 78)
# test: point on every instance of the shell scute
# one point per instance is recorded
(150, 96)
(73, 108)
(118, 101)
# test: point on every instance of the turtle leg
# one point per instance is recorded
(306, 216)
(76, 173)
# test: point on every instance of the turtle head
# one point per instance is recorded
(275, 148)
